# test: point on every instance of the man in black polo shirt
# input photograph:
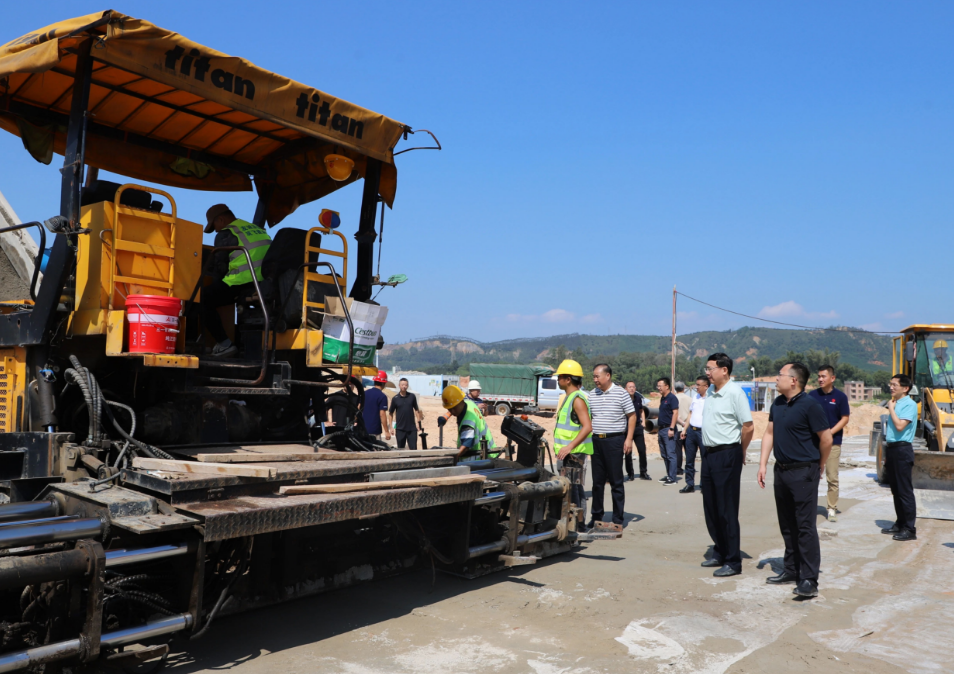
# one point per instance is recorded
(799, 433)
(404, 407)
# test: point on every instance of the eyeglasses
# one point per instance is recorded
(712, 369)
(785, 374)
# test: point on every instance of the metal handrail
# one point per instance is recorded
(344, 307)
(117, 237)
(39, 257)
(261, 302)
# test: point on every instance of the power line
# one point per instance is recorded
(790, 325)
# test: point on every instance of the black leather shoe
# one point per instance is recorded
(711, 563)
(905, 535)
(631, 478)
(783, 578)
(893, 529)
(589, 525)
(680, 472)
(806, 588)
(726, 571)
(688, 489)
(644, 476)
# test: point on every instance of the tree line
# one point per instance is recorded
(645, 369)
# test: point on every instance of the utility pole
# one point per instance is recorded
(672, 369)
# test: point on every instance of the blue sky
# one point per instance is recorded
(788, 160)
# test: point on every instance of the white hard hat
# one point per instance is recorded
(474, 384)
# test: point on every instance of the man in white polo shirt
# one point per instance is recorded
(727, 430)
(692, 433)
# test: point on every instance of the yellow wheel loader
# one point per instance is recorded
(922, 353)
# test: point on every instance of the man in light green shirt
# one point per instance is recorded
(727, 430)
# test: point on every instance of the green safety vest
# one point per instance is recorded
(566, 430)
(256, 240)
(474, 419)
(948, 366)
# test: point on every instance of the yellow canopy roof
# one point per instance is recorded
(167, 110)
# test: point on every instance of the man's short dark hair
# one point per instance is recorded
(827, 368)
(402, 379)
(380, 384)
(605, 367)
(576, 381)
(702, 377)
(721, 360)
(666, 380)
(801, 373)
(630, 381)
(904, 380)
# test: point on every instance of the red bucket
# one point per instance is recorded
(153, 323)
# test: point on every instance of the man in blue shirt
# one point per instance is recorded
(375, 409)
(668, 415)
(899, 457)
(835, 405)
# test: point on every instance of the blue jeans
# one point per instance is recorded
(692, 443)
(667, 448)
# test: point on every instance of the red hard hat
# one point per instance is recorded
(381, 376)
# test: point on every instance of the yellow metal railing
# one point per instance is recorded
(119, 244)
(311, 276)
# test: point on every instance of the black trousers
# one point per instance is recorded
(796, 501)
(608, 465)
(639, 441)
(219, 294)
(680, 448)
(721, 486)
(692, 443)
(898, 462)
(406, 438)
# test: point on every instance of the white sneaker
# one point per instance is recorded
(832, 516)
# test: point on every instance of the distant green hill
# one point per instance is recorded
(861, 349)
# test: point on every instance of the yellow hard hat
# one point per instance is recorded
(940, 344)
(570, 367)
(452, 396)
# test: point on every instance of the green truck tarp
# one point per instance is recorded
(510, 380)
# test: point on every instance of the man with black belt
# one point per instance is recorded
(899, 457)
(799, 432)
(639, 438)
(692, 434)
(614, 420)
(727, 430)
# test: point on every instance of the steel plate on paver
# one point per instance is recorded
(252, 515)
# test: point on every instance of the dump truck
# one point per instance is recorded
(516, 388)
(148, 491)
(921, 352)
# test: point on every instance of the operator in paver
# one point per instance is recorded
(572, 440)
(471, 427)
(230, 268)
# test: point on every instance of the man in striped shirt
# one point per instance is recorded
(614, 420)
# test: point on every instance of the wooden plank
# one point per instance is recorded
(293, 490)
(205, 468)
(262, 457)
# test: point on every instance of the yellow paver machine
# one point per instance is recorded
(922, 353)
(146, 491)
